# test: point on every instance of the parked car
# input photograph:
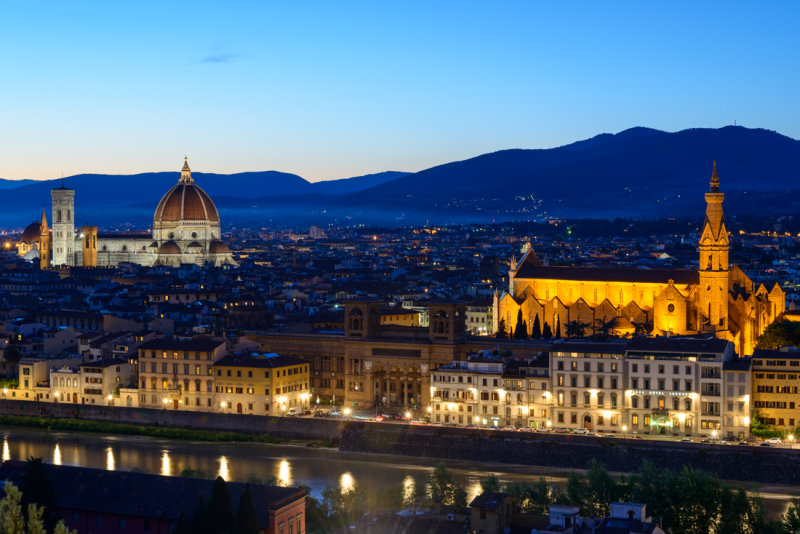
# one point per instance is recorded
(581, 431)
(773, 441)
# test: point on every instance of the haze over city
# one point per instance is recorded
(333, 90)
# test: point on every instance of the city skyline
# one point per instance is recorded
(331, 92)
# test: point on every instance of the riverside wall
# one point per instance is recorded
(730, 462)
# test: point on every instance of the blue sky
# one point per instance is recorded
(337, 89)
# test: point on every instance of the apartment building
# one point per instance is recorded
(261, 384)
(775, 399)
(176, 374)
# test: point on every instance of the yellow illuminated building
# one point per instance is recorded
(262, 384)
(775, 378)
(717, 298)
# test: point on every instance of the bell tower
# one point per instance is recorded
(712, 300)
(63, 218)
(44, 243)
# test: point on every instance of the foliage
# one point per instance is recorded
(501, 330)
(546, 332)
(533, 498)
(344, 505)
(791, 518)
(575, 329)
(536, 331)
(780, 334)
(760, 429)
(37, 487)
(246, 520)
(490, 484)
(219, 514)
(12, 354)
(442, 490)
(105, 427)
(12, 520)
(521, 328)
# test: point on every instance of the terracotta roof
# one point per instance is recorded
(186, 201)
(169, 247)
(609, 274)
(31, 232)
(218, 247)
(265, 360)
(197, 344)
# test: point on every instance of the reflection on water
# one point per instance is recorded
(284, 473)
(110, 464)
(166, 464)
(346, 483)
(291, 464)
(223, 468)
(408, 488)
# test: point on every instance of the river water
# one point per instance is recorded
(316, 468)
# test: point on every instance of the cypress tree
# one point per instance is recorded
(537, 328)
(38, 488)
(519, 327)
(219, 513)
(246, 520)
(501, 330)
(546, 333)
(557, 329)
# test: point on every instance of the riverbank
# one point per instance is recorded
(728, 462)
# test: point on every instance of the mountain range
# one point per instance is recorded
(638, 173)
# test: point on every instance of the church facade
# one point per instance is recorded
(186, 230)
(717, 298)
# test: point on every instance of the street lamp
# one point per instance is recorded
(624, 430)
(791, 440)
(714, 434)
(347, 411)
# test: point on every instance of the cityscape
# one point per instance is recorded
(426, 329)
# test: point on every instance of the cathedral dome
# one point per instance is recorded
(170, 247)
(186, 201)
(218, 247)
(31, 232)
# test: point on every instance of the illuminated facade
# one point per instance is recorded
(775, 398)
(186, 230)
(676, 387)
(261, 384)
(717, 298)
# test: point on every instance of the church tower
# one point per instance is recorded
(44, 243)
(712, 302)
(63, 216)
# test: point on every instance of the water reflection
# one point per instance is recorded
(408, 488)
(346, 483)
(473, 488)
(110, 463)
(223, 468)
(166, 464)
(57, 455)
(284, 473)
(6, 451)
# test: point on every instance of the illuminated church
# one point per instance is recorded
(718, 298)
(186, 230)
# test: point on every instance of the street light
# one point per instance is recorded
(624, 430)
(791, 440)
(346, 411)
(714, 434)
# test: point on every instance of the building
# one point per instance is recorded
(186, 230)
(176, 374)
(717, 298)
(117, 502)
(775, 399)
(34, 377)
(101, 380)
(491, 512)
(261, 384)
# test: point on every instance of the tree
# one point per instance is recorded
(219, 514)
(37, 487)
(780, 334)
(532, 498)
(442, 490)
(246, 520)
(536, 331)
(791, 518)
(490, 484)
(344, 505)
(501, 330)
(519, 328)
(557, 327)
(546, 333)
(12, 521)
(576, 328)
(12, 354)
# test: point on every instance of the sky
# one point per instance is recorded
(334, 89)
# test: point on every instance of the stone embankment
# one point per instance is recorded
(731, 462)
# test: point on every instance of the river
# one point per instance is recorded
(316, 468)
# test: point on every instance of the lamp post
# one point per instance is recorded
(791, 440)
(624, 430)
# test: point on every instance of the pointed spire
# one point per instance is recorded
(186, 172)
(714, 179)
(43, 228)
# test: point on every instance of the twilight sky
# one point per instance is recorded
(333, 89)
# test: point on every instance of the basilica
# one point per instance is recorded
(186, 230)
(717, 298)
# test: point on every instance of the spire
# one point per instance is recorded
(43, 228)
(186, 172)
(714, 179)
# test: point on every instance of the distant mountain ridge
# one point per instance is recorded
(639, 173)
